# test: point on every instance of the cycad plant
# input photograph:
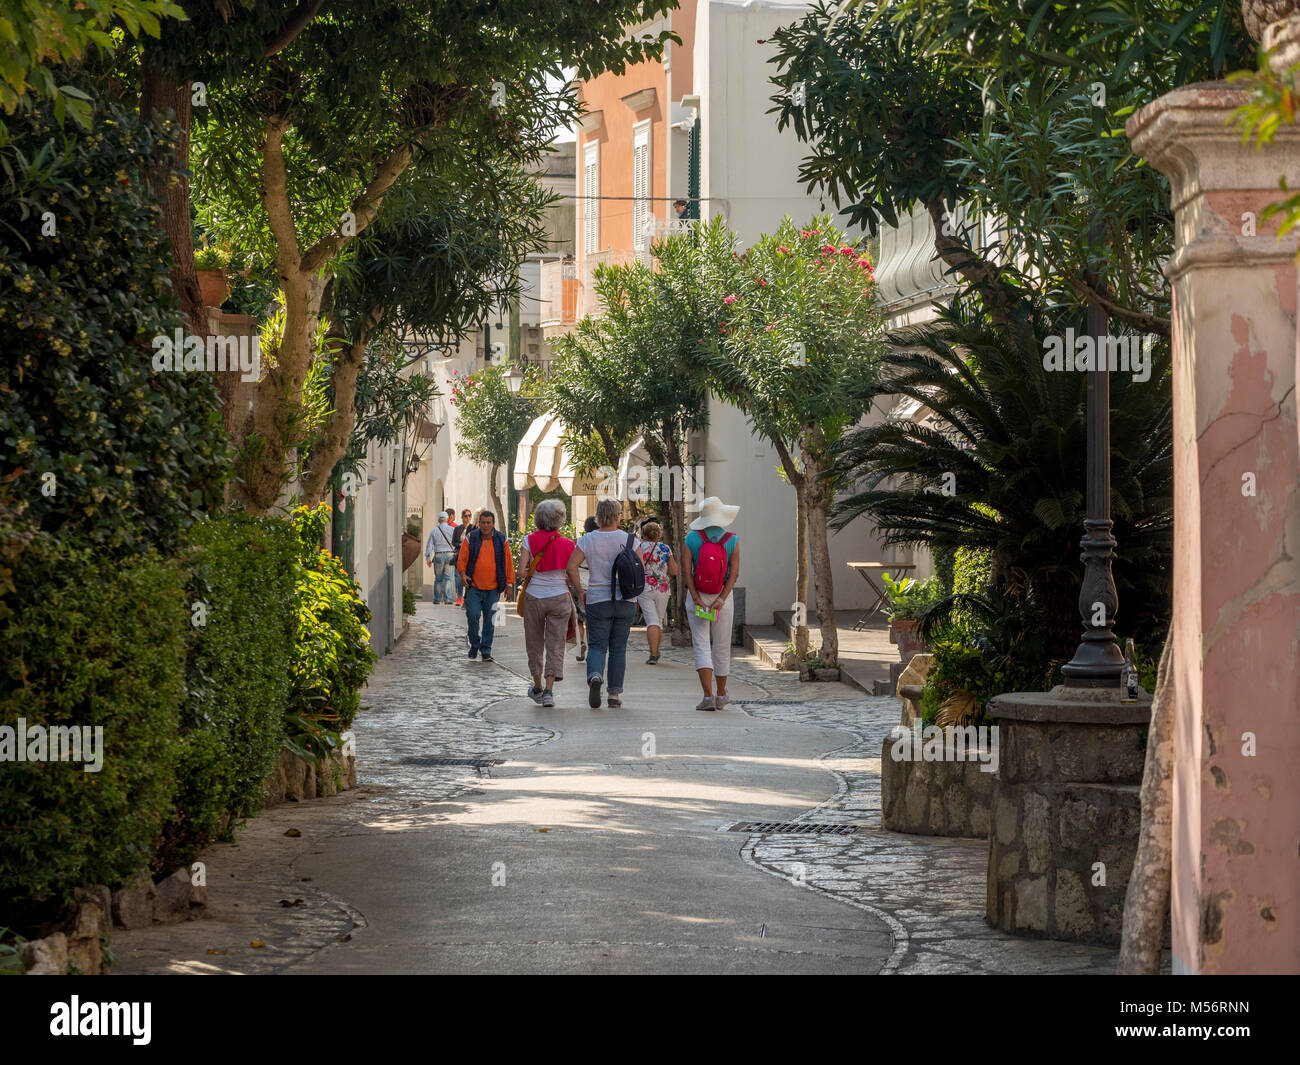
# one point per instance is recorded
(1000, 463)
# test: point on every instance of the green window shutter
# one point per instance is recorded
(693, 172)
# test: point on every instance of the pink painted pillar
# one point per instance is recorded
(1236, 834)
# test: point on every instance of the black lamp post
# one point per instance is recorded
(1098, 662)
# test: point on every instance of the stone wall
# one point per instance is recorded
(1066, 814)
(936, 798)
(296, 779)
(79, 946)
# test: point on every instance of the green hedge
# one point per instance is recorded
(88, 640)
(944, 561)
(101, 446)
(232, 723)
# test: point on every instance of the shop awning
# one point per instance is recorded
(526, 453)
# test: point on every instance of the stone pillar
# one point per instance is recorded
(1066, 811)
(1236, 626)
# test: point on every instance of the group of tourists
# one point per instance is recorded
(588, 591)
(441, 551)
(603, 577)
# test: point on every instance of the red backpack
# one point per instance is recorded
(711, 566)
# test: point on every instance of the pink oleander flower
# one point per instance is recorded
(846, 250)
(782, 250)
(770, 328)
(828, 249)
(865, 262)
(759, 281)
(730, 299)
(804, 232)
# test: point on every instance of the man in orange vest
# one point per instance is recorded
(487, 573)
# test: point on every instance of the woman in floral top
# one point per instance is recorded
(657, 558)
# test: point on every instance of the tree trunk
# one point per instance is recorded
(1003, 304)
(1146, 904)
(338, 432)
(817, 503)
(160, 94)
(497, 508)
(801, 564)
(797, 478)
(267, 459)
(677, 526)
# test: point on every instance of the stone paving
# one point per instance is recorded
(264, 918)
(929, 891)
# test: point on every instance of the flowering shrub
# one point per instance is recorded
(808, 309)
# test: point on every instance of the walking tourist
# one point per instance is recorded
(609, 553)
(440, 553)
(712, 566)
(461, 529)
(657, 558)
(545, 604)
(488, 569)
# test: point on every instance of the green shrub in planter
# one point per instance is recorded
(89, 640)
(332, 656)
(408, 600)
(232, 723)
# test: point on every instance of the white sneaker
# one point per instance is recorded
(709, 702)
(719, 701)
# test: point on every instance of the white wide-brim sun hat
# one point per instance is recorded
(713, 511)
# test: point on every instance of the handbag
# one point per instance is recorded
(519, 600)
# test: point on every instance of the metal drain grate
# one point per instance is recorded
(477, 763)
(796, 828)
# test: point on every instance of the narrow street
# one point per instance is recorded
(589, 850)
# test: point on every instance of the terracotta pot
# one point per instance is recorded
(905, 635)
(410, 550)
(213, 287)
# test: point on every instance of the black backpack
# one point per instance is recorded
(629, 574)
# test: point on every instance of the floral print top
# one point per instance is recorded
(654, 557)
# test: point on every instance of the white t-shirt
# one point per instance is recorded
(600, 548)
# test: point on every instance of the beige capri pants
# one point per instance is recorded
(546, 623)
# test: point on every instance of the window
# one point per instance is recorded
(642, 213)
(590, 198)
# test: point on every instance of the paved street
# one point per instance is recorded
(600, 844)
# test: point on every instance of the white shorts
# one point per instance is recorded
(654, 608)
(711, 640)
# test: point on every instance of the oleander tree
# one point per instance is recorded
(634, 371)
(491, 420)
(1003, 111)
(799, 351)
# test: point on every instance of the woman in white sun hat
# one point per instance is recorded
(712, 566)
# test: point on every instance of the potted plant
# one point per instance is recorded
(210, 263)
(908, 600)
